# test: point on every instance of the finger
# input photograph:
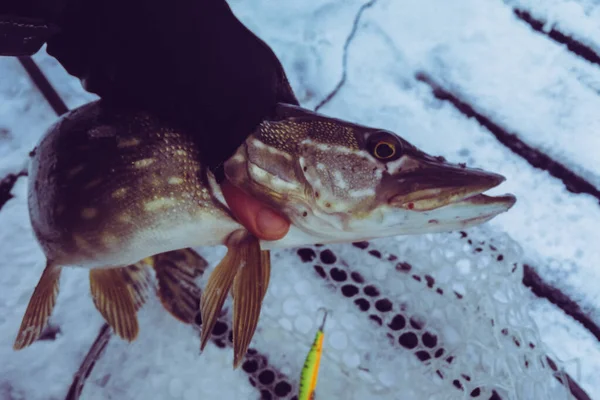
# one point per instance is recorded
(257, 217)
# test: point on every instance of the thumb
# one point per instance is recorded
(261, 220)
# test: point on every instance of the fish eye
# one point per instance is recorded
(384, 146)
(384, 150)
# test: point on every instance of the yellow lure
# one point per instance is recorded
(310, 371)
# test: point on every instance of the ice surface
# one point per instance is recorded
(475, 56)
(556, 229)
(566, 257)
(67, 85)
(469, 46)
(23, 116)
(50, 363)
(164, 363)
(576, 18)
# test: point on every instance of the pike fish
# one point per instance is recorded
(110, 190)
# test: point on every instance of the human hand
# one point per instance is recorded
(257, 217)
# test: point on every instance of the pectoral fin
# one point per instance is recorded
(177, 272)
(245, 270)
(116, 300)
(220, 282)
(249, 288)
(40, 307)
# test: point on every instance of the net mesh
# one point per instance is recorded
(441, 316)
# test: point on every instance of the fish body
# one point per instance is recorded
(109, 188)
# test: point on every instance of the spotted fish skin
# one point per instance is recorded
(110, 188)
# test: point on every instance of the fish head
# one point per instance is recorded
(337, 181)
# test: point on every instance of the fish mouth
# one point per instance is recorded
(435, 184)
(428, 200)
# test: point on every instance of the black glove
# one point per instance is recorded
(25, 25)
(189, 61)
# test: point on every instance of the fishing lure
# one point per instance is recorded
(310, 371)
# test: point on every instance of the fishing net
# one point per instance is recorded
(441, 316)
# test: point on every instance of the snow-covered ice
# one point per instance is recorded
(519, 78)
(21, 101)
(576, 18)
(381, 69)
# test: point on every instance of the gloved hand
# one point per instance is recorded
(25, 25)
(190, 62)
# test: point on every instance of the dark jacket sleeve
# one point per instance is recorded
(25, 25)
(189, 61)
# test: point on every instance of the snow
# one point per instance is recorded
(478, 50)
(502, 79)
(566, 257)
(469, 47)
(68, 86)
(381, 91)
(570, 342)
(171, 367)
(576, 18)
(21, 101)
(22, 264)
